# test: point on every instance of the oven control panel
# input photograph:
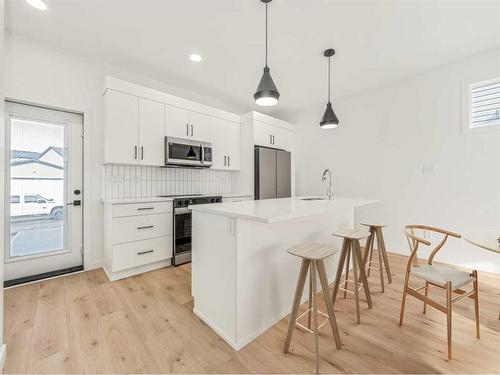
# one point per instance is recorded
(186, 201)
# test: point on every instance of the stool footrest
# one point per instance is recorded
(350, 291)
(350, 281)
(319, 326)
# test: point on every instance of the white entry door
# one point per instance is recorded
(43, 192)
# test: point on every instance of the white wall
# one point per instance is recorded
(39, 73)
(386, 136)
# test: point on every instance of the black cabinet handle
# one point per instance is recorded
(145, 208)
(135, 152)
(144, 252)
(187, 129)
(146, 227)
(142, 153)
(191, 130)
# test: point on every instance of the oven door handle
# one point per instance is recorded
(181, 211)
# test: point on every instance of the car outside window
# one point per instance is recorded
(30, 198)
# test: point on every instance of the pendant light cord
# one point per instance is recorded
(266, 34)
(329, 81)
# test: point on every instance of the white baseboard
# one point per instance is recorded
(219, 332)
(250, 337)
(96, 264)
(113, 276)
(3, 356)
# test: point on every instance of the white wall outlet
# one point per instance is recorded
(429, 170)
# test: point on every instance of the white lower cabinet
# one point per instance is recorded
(138, 237)
(136, 228)
(133, 254)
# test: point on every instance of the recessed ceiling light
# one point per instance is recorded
(38, 4)
(195, 57)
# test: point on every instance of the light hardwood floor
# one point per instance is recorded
(84, 324)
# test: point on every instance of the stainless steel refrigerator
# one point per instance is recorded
(272, 173)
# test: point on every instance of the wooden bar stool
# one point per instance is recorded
(382, 260)
(312, 255)
(351, 242)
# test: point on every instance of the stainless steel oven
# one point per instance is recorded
(184, 152)
(183, 225)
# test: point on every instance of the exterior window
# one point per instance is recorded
(483, 104)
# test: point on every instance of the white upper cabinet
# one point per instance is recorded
(199, 127)
(137, 120)
(233, 145)
(182, 123)
(121, 128)
(226, 149)
(262, 134)
(151, 133)
(218, 139)
(134, 132)
(176, 122)
(280, 138)
(272, 136)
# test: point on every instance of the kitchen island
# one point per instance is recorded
(243, 280)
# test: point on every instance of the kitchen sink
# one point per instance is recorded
(313, 199)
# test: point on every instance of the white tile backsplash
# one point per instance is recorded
(130, 181)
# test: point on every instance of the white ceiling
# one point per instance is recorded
(376, 41)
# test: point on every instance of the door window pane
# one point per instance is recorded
(36, 187)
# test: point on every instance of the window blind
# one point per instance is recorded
(485, 103)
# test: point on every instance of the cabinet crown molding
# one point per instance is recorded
(112, 83)
(257, 116)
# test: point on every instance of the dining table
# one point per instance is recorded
(487, 239)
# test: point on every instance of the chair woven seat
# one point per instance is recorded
(440, 274)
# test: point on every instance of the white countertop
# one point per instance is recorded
(165, 199)
(486, 239)
(274, 210)
(136, 200)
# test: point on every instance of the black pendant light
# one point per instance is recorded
(267, 94)
(329, 120)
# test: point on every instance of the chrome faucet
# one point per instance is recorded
(329, 190)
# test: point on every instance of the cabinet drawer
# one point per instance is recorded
(133, 209)
(136, 228)
(139, 253)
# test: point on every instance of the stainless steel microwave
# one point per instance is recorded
(184, 152)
